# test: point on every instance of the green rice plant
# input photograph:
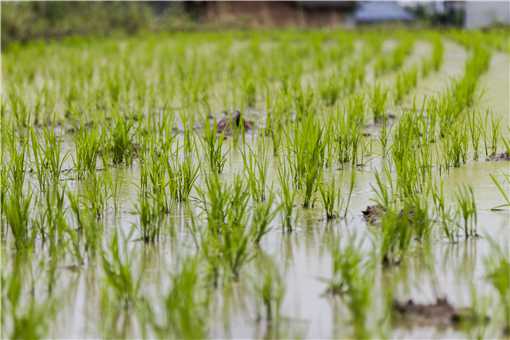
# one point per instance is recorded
(120, 144)
(16, 211)
(346, 202)
(475, 132)
(148, 209)
(437, 53)
(87, 146)
(347, 131)
(17, 201)
(498, 274)
(495, 134)
(307, 148)
(455, 146)
(287, 194)
(255, 168)
(86, 224)
(96, 192)
(304, 103)
(213, 146)
(48, 158)
(263, 215)
(466, 204)
(502, 190)
(397, 236)
(444, 216)
(378, 101)
(330, 90)
(395, 59)
(384, 189)
(404, 83)
(330, 195)
(182, 174)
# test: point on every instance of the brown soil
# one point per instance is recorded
(504, 156)
(439, 314)
(373, 214)
(226, 124)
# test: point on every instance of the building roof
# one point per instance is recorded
(381, 11)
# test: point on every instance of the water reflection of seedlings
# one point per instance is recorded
(24, 319)
(498, 274)
(185, 306)
(352, 279)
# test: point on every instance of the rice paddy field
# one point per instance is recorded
(257, 184)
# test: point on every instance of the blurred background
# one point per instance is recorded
(25, 21)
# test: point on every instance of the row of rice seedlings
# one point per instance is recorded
(378, 102)
(395, 59)
(406, 80)
(287, 194)
(436, 59)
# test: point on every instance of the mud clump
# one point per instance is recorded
(439, 314)
(373, 214)
(236, 120)
(504, 156)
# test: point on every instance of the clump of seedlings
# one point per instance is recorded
(378, 101)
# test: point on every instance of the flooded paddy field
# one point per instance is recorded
(276, 184)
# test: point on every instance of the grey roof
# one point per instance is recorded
(381, 11)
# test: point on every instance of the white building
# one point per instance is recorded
(486, 13)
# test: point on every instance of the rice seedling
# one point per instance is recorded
(465, 199)
(255, 168)
(307, 148)
(378, 101)
(330, 194)
(287, 194)
(444, 215)
(213, 148)
(263, 215)
(404, 83)
(502, 190)
(120, 144)
(87, 145)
